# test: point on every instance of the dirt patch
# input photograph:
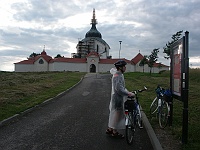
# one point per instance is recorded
(167, 141)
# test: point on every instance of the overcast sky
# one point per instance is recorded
(27, 25)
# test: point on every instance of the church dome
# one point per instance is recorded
(93, 32)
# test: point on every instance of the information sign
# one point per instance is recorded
(176, 66)
(179, 78)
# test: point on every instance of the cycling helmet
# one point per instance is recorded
(120, 63)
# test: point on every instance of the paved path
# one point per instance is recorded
(75, 121)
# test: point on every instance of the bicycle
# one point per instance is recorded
(160, 107)
(133, 115)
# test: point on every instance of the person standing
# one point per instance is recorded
(116, 107)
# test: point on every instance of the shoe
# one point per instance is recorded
(109, 131)
(117, 135)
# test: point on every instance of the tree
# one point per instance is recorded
(175, 38)
(33, 55)
(58, 56)
(153, 58)
(143, 61)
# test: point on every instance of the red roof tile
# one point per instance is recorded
(93, 53)
(137, 58)
(46, 57)
(69, 60)
(159, 64)
(29, 61)
(112, 61)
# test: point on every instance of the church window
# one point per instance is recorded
(41, 61)
(97, 48)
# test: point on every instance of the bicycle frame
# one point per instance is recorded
(162, 108)
(133, 115)
(128, 115)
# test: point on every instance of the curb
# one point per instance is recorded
(17, 116)
(153, 138)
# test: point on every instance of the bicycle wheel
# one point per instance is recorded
(163, 114)
(154, 107)
(139, 118)
(130, 129)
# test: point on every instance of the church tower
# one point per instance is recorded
(92, 42)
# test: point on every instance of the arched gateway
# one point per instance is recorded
(92, 68)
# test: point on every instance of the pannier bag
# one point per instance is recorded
(130, 105)
(167, 95)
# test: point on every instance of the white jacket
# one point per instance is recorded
(116, 117)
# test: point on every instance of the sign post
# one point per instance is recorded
(185, 90)
(179, 78)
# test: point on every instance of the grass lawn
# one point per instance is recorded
(138, 80)
(20, 91)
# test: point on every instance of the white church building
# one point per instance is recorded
(92, 56)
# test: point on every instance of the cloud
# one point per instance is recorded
(47, 11)
(141, 25)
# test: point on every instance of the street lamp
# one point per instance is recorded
(120, 48)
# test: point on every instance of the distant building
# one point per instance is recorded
(92, 42)
(91, 63)
(92, 56)
(157, 67)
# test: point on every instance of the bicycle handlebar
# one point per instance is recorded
(145, 88)
(159, 91)
(141, 90)
(136, 91)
